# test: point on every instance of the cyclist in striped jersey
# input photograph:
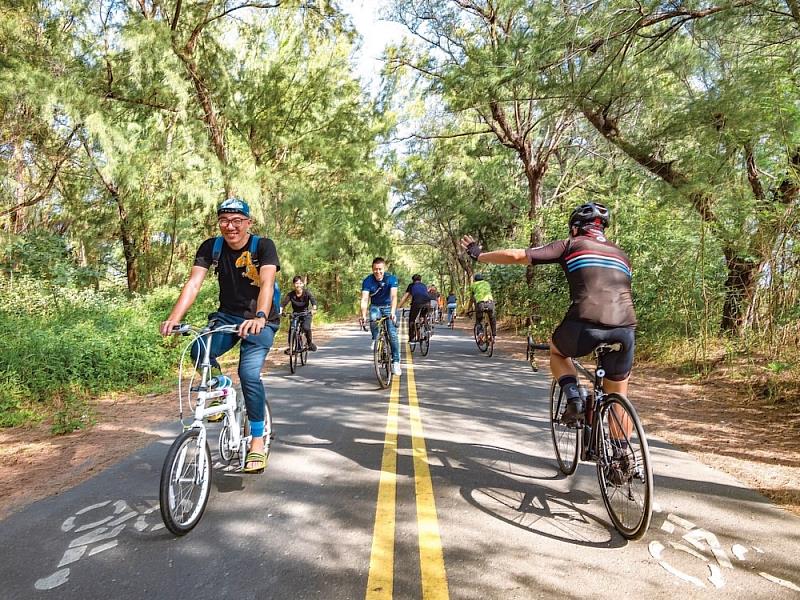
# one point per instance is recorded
(599, 277)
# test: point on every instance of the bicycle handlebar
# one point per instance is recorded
(297, 314)
(187, 328)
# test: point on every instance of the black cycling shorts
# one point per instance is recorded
(579, 338)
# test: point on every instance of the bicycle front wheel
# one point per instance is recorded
(623, 467)
(293, 350)
(302, 348)
(566, 440)
(185, 483)
(382, 359)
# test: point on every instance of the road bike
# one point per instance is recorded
(298, 343)
(186, 475)
(611, 435)
(382, 351)
(483, 336)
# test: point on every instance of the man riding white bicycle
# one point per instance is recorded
(246, 298)
(599, 277)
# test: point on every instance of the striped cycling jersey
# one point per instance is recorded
(599, 277)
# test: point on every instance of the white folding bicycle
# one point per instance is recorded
(186, 474)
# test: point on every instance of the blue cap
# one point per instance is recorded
(234, 205)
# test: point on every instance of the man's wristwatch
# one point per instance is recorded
(261, 315)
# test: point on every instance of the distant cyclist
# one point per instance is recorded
(302, 300)
(452, 303)
(599, 277)
(379, 295)
(480, 296)
(420, 304)
(434, 295)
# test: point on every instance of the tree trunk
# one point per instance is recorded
(534, 173)
(128, 246)
(739, 289)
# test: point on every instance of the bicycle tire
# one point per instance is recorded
(489, 342)
(566, 440)
(425, 342)
(182, 497)
(476, 332)
(383, 370)
(531, 355)
(629, 501)
(293, 350)
(302, 348)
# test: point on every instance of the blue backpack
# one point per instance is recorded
(216, 251)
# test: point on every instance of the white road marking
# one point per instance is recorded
(779, 581)
(71, 555)
(716, 577)
(54, 580)
(739, 551)
(103, 548)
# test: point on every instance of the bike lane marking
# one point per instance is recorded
(380, 582)
(431, 555)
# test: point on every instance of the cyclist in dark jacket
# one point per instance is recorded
(302, 300)
(420, 301)
(599, 277)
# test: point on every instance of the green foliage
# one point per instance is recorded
(58, 355)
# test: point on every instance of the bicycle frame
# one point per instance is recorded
(228, 406)
(295, 322)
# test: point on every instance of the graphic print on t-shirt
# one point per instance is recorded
(250, 271)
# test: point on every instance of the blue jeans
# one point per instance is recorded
(252, 355)
(451, 310)
(375, 313)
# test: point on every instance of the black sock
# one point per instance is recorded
(569, 386)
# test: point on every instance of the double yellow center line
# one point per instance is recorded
(380, 584)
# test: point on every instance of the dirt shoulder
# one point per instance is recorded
(756, 443)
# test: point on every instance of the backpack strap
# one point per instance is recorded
(254, 250)
(216, 251)
(276, 290)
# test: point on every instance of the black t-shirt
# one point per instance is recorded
(599, 277)
(239, 282)
(300, 303)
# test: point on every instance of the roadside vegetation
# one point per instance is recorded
(122, 125)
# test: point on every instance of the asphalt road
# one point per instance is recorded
(444, 486)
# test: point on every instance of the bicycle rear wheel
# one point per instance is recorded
(425, 341)
(566, 440)
(185, 485)
(480, 337)
(293, 350)
(489, 342)
(623, 467)
(382, 359)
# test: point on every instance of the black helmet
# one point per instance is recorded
(589, 213)
(477, 277)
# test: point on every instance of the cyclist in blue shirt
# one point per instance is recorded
(379, 295)
(418, 292)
